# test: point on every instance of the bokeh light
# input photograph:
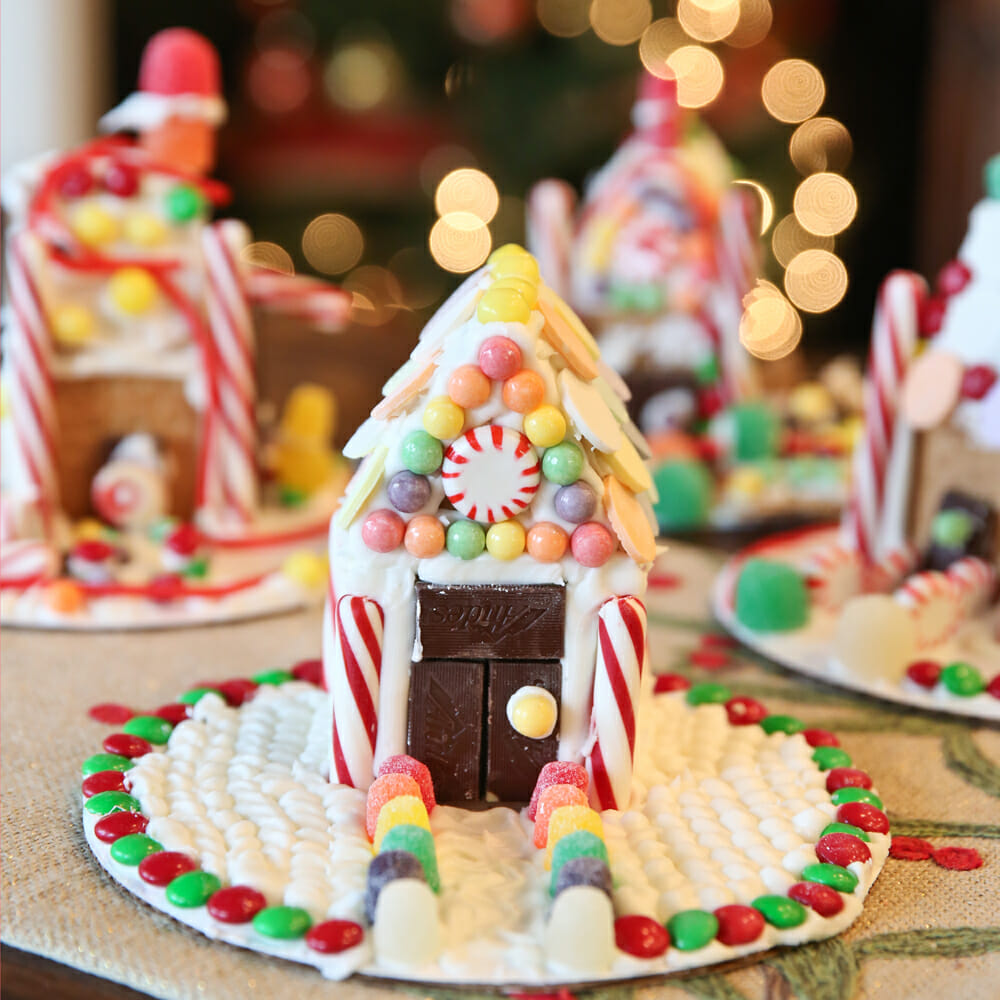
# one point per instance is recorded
(564, 18)
(699, 75)
(332, 243)
(278, 79)
(770, 327)
(820, 144)
(816, 280)
(793, 90)
(753, 25)
(825, 204)
(708, 20)
(486, 22)
(508, 224)
(460, 242)
(766, 202)
(440, 161)
(363, 74)
(269, 255)
(376, 294)
(659, 41)
(467, 190)
(420, 282)
(620, 22)
(789, 239)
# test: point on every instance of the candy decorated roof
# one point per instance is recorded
(502, 448)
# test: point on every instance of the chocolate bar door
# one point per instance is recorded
(446, 724)
(513, 760)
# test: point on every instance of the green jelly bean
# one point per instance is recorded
(192, 889)
(842, 795)
(149, 727)
(962, 679)
(133, 847)
(106, 762)
(692, 929)
(110, 802)
(854, 831)
(272, 677)
(420, 843)
(283, 922)
(832, 875)
(184, 202)
(782, 724)
(828, 757)
(578, 844)
(780, 911)
(195, 695)
(708, 693)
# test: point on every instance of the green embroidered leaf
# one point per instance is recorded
(937, 942)
(940, 828)
(825, 970)
(711, 987)
(964, 758)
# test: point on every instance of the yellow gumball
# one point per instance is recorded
(746, 481)
(88, 529)
(305, 568)
(528, 290)
(443, 419)
(145, 229)
(812, 403)
(534, 716)
(73, 325)
(507, 250)
(512, 261)
(503, 305)
(545, 426)
(132, 290)
(94, 225)
(505, 540)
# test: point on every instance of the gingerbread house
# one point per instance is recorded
(489, 559)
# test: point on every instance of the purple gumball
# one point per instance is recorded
(576, 502)
(409, 492)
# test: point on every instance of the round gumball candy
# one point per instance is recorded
(443, 418)
(502, 305)
(408, 492)
(953, 277)
(121, 180)
(184, 203)
(563, 463)
(685, 494)
(576, 503)
(421, 453)
(382, 530)
(133, 290)
(771, 597)
(977, 381)
(524, 391)
(546, 542)
(528, 290)
(469, 387)
(545, 426)
(505, 540)
(73, 180)
(65, 596)
(73, 325)
(94, 225)
(532, 712)
(592, 544)
(465, 539)
(512, 261)
(145, 229)
(307, 569)
(424, 536)
(499, 357)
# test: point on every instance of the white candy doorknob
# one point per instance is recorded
(532, 711)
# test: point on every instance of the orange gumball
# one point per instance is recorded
(524, 391)
(64, 596)
(546, 542)
(424, 536)
(468, 387)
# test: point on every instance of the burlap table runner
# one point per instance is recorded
(926, 932)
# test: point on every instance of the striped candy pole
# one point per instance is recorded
(976, 581)
(354, 687)
(324, 305)
(232, 483)
(26, 561)
(893, 340)
(835, 574)
(551, 205)
(621, 654)
(933, 600)
(30, 347)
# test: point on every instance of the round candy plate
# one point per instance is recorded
(218, 811)
(808, 650)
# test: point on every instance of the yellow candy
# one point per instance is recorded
(132, 290)
(305, 568)
(627, 464)
(4, 401)
(145, 229)
(73, 325)
(569, 819)
(545, 426)
(503, 305)
(94, 225)
(309, 413)
(534, 716)
(88, 529)
(746, 481)
(512, 265)
(403, 809)
(507, 250)
(528, 290)
(443, 418)
(361, 487)
(811, 403)
(505, 540)
(573, 321)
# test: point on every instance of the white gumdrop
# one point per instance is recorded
(876, 637)
(407, 930)
(580, 934)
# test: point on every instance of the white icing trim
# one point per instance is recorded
(143, 110)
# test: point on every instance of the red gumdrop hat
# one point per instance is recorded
(180, 61)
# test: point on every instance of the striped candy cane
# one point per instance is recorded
(30, 347)
(26, 561)
(354, 686)
(976, 581)
(232, 474)
(835, 574)
(621, 654)
(324, 305)
(551, 205)
(933, 600)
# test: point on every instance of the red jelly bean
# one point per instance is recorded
(666, 683)
(73, 180)
(717, 639)
(924, 672)
(641, 936)
(977, 381)
(110, 713)
(165, 588)
(958, 859)
(993, 687)
(127, 745)
(333, 936)
(119, 824)
(103, 781)
(932, 315)
(163, 867)
(864, 816)
(174, 714)
(709, 659)
(842, 849)
(236, 904)
(237, 691)
(846, 777)
(122, 180)
(743, 711)
(822, 899)
(820, 738)
(910, 849)
(557, 772)
(311, 672)
(953, 277)
(739, 924)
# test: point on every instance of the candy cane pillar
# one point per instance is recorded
(621, 653)
(29, 346)
(353, 674)
(551, 205)
(231, 473)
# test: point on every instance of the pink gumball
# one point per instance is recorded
(592, 544)
(383, 530)
(499, 357)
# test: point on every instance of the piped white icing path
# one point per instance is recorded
(721, 814)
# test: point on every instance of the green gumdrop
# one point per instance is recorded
(771, 597)
(756, 431)
(854, 831)
(952, 528)
(692, 929)
(850, 794)
(780, 911)
(685, 489)
(192, 889)
(578, 844)
(420, 843)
